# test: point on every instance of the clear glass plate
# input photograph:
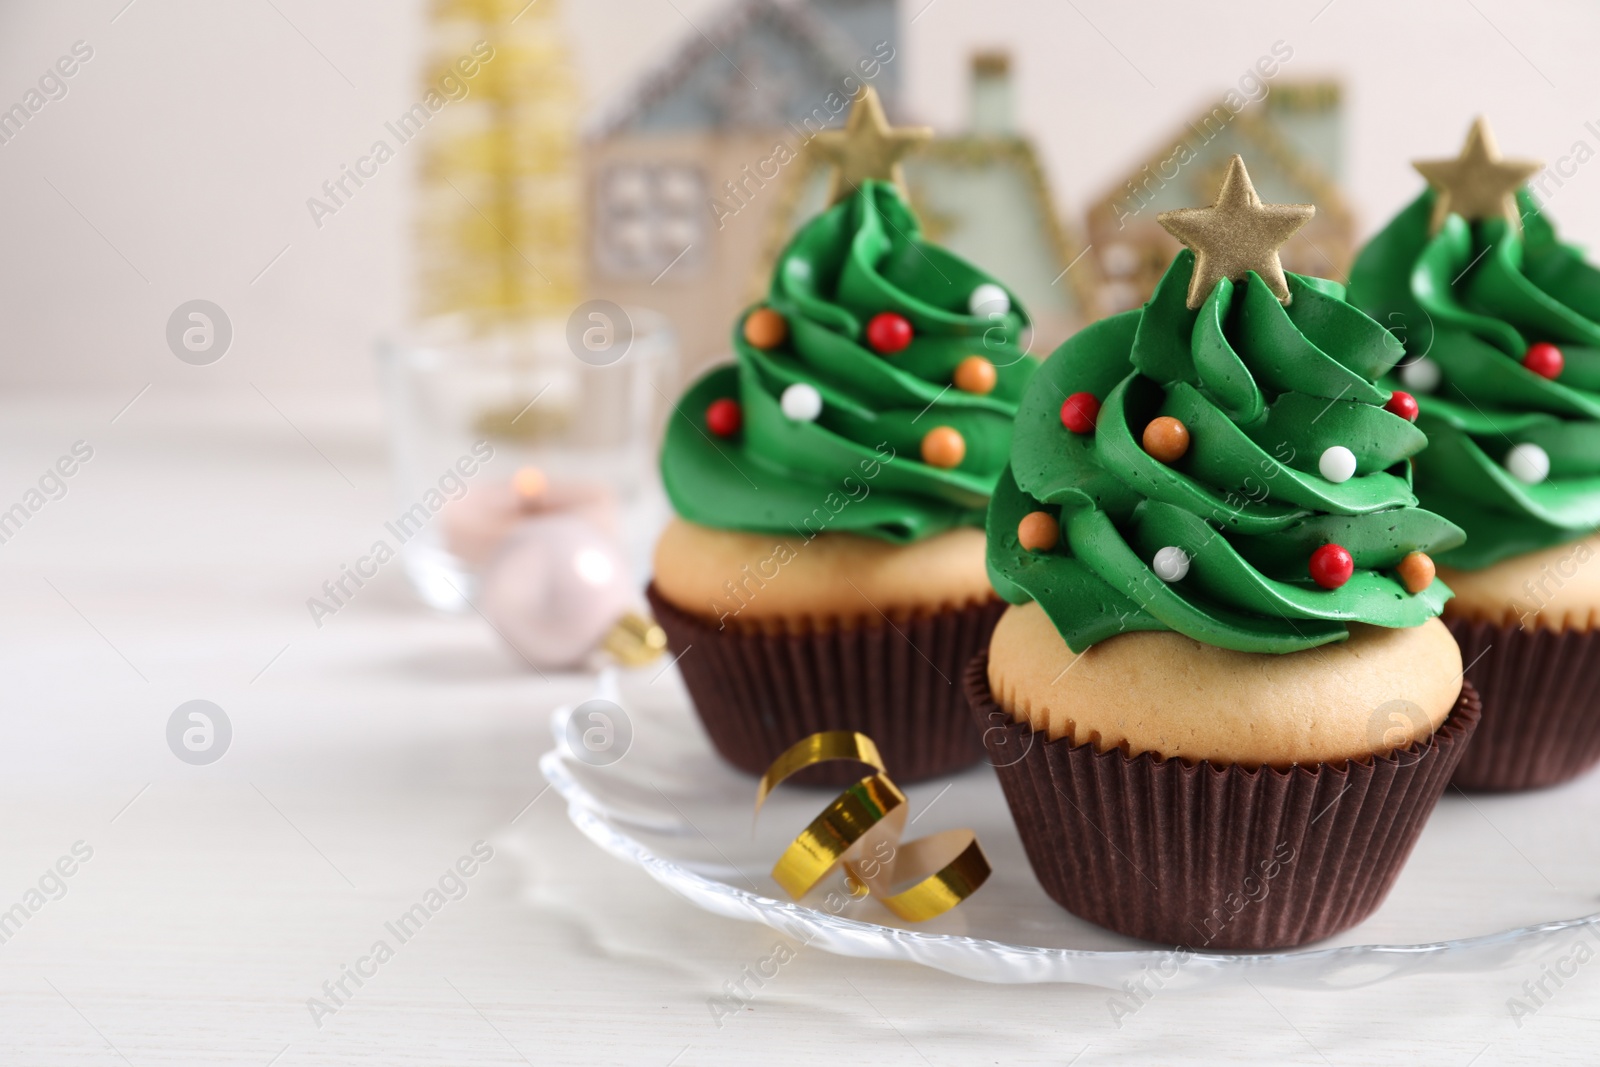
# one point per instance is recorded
(1493, 881)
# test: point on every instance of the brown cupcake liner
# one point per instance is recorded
(1211, 857)
(758, 693)
(1541, 704)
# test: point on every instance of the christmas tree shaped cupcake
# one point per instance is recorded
(826, 569)
(1222, 706)
(1501, 323)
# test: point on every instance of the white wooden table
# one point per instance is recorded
(369, 756)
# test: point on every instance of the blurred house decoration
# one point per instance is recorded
(720, 121)
(701, 173)
(499, 201)
(1293, 141)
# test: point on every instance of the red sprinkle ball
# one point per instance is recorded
(1544, 359)
(1331, 566)
(724, 417)
(1402, 404)
(1079, 412)
(888, 333)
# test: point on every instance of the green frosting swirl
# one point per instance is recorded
(1472, 298)
(858, 467)
(1264, 390)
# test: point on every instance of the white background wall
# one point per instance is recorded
(184, 152)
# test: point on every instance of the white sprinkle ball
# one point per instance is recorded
(801, 402)
(1171, 564)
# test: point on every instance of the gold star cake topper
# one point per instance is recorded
(1236, 234)
(1479, 183)
(867, 147)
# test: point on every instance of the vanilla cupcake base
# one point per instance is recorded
(794, 583)
(1199, 854)
(1541, 705)
(1163, 692)
(1528, 634)
(1556, 588)
(782, 637)
(758, 691)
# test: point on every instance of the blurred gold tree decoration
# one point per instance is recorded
(500, 196)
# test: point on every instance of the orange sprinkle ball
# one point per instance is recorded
(975, 375)
(944, 447)
(1416, 572)
(765, 328)
(1166, 439)
(1038, 531)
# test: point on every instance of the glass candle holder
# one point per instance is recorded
(581, 401)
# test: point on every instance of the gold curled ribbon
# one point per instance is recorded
(871, 815)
